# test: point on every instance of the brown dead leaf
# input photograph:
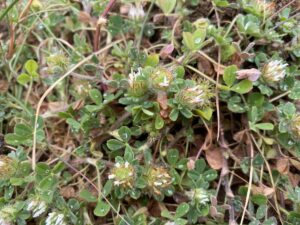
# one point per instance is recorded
(294, 179)
(214, 158)
(84, 17)
(219, 69)
(283, 166)
(162, 100)
(57, 106)
(3, 86)
(262, 190)
(295, 163)
(68, 192)
(205, 66)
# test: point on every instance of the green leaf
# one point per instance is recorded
(148, 112)
(23, 130)
(87, 196)
(101, 209)
(188, 40)
(23, 78)
(14, 139)
(152, 60)
(125, 133)
(261, 212)
(179, 221)
(172, 156)
(205, 113)
(159, 122)
(59, 167)
(115, 26)
(43, 169)
(74, 124)
(198, 38)
(259, 199)
(166, 6)
(107, 188)
(96, 96)
(31, 67)
(128, 154)
(221, 3)
(256, 99)
(264, 126)
(243, 87)
(210, 175)
(186, 113)
(48, 183)
(174, 114)
(230, 75)
(165, 213)
(114, 144)
(182, 209)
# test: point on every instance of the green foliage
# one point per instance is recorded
(169, 117)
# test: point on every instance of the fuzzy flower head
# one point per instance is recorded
(161, 78)
(7, 215)
(57, 63)
(7, 167)
(261, 8)
(55, 218)
(274, 71)
(295, 127)
(137, 84)
(197, 97)
(136, 12)
(123, 174)
(158, 179)
(37, 207)
(200, 195)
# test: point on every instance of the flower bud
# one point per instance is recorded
(123, 174)
(274, 71)
(158, 179)
(200, 195)
(37, 207)
(137, 84)
(161, 79)
(197, 97)
(7, 214)
(7, 167)
(55, 218)
(136, 12)
(261, 8)
(295, 127)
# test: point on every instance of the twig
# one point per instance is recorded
(51, 88)
(100, 23)
(8, 9)
(94, 186)
(144, 23)
(275, 14)
(250, 178)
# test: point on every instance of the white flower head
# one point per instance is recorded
(111, 176)
(165, 83)
(6, 215)
(37, 207)
(4, 222)
(136, 12)
(133, 76)
(55, 218)
(126, 164)
(274, 71)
